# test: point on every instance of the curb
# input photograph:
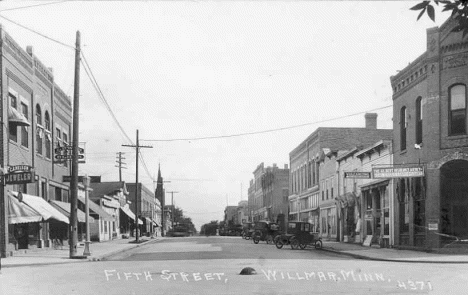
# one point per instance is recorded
(107, 255)
(364, 257)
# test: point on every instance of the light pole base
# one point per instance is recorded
(86, 249)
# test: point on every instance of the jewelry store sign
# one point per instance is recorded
(397, 172)
(19, 174)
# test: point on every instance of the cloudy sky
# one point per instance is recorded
(196, 69)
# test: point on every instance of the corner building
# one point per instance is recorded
(36, 117)
(431, 131)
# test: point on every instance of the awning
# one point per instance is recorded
(148, 221)
(19, 212)
(42, 207)
(130, 214)
(374, 184)
(155, 223)
(96, 209)
(65, 209)
(16, 118)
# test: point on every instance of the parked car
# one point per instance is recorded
(299, 235)
(265, 231)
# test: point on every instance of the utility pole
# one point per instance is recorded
(74, 175)
(137, 146)
(86, 251)
(119, 161)
(172, 209)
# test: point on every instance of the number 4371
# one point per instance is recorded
(415, 285)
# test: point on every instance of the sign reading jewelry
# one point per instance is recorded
(397, 172)
(19, 174)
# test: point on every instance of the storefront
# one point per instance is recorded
(26, 213)
(328, 225)
(376, 212)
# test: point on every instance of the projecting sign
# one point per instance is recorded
(18, 174)
(67, 178)
(397, 172)
(356, 174)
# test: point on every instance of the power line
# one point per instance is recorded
(268, 130)
(36, 32)
(30, 6)
(96, 86)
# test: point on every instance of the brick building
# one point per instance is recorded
(308, 185)
(430, 132)
(37, 117)
(149, 208)
(269, 192)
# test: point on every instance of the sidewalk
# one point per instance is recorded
(387, 254)
(99, 251)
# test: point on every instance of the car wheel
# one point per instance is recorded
(269, 239)
(302, 246)
(279, 243)
(294, 244)
(256, 240)
(318, 244)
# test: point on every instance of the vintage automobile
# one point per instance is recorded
(265, 231)
(299, 235)
(247, 230)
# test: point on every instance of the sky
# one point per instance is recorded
(196, 69)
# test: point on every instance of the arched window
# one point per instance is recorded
(48, 135)
(403, 125)
(39, 130)
(457, 109)
(419, 118)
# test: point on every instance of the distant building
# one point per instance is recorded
(149, 208)
(430, 128)
(242, 212)
(230, 215)
(268, 193)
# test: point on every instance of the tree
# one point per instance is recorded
(459, 9)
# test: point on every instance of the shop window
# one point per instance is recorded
(24, 129)
(58, 194)
(402, 191)
(403, 126)
(419, 206)
(457, 105)
(419, 122)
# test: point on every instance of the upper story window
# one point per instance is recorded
(457, 107)
(419, 120)
(24, 129)
(39, 130)
(403, 126)
(48, 153)
(38, 115)
(12, 127)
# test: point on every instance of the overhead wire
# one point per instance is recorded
(35, 5)
(101, 95)
(268, 130)
(38, 33)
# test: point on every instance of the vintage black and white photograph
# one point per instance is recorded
(233, 147)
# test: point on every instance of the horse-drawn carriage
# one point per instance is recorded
(299, 235)
(265, 231)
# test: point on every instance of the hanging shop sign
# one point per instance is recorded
(356, 174)
(397, 172)
(19, 174)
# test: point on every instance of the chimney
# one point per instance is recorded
(285, 166)
(371, 120)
